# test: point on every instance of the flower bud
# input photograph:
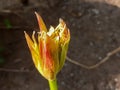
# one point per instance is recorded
(49, 50)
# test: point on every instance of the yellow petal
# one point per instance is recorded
(34, 51)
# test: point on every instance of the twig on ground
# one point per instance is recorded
(14, 70)
(17, 27)
(97, 64)
(5, 11)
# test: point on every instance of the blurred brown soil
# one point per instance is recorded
(95, 31)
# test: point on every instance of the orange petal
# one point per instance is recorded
(41, 23)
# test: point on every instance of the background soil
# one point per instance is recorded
(95, 31)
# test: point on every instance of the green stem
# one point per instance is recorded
(53, 84)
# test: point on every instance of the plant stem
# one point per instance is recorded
(53, 84)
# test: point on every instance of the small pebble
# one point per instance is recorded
(95, 11)
(71, 74)
(63, 83)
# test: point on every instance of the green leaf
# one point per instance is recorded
(1, 49)
(1, 60)
(7, 23)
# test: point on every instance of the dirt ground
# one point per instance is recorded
(95, 31)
